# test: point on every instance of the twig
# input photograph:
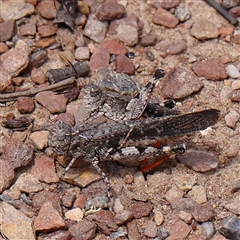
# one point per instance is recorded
(57, 86)
(223, 12)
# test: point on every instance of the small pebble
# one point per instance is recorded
(232, 71)
(232, 118)
(75, 214)
(208, 229)
(183, 14)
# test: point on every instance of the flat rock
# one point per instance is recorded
(141, 209)
(199, 161)
(38, 76)
(15, 9)
(148, 40)
(232, 118)
(14, 224)
(18, 153)
(165, 18)
(29, 28)
(127, 34)
(211, 69)
(47, 29)
(150, 230)
(16, 59)
(132, 230)
(46, 196)
(57, 235)
(95, 29)
(235, 95)
(174, 193)
(179, 83)
(39, 139)
(124, 65)
(167, 47)
(7, 174)
(104, 220)
(234, 205)
(25, 105)
(114, 47)
(28, 183)
(179, 230)
(83, 230)
(198, 193)
(110, 10)
(123, 217)
(44, 169)
(204, 29)
(48, 9)
(82, 53)
(45, 42)
(6, 30)
(75, 214)
(81, 176)
(99, 59)
(48, 219)
(53, 102)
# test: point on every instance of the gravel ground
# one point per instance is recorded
(192, 196)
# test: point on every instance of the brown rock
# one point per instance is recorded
(235, 11)
(6, 30)
(235, 96)
(122, 217)
(15, 10)
(80, 202)
(180, 83)
(46, 196)
(104, 220)
(110, 10)
(148, 40)
(173, 194)
(165, 18)
(179, 230)
(99, 59)
(25, 105)
(53, 102)
(19, 154)
(44, 169)
(16, 59)
(151, 229)
(17, 81)
(28, 183)
(114, 47)
(203, 212)
(212, 69)
(48, 219)
(127, 34)
(199, 161)
(166, 3)
(38, 76)
(204, 29)
(7, 174)
(83, 230)
(95, 29)
(82, 53)
(37, 59)
(141, 209)
(132, 229)
(45, 42)
(48, 8)
(67, 118)
(39, 139)
(28, 28)
(3, 47)
(14, 224)
(48, 29)
(124, 64)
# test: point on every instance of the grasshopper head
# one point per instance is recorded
(60, 137)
